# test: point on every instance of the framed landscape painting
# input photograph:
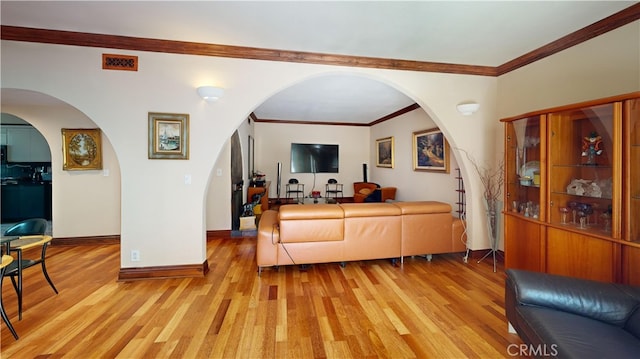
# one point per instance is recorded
(384, 152)
(81, 149)
(430, 151)
(168, 136)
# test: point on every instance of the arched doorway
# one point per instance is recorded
(77, 197)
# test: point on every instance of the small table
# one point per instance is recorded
(5, 245)
(5, 241)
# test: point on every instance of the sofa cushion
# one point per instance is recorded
(633, 324)
(567, 335)
(375, 196)
(311, 223)
(423, 207)
(369, 210)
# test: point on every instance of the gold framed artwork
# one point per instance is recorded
(168, 136)
(81, 149)
(430, 151)
(384, 152)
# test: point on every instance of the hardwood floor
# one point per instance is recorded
(370, 309)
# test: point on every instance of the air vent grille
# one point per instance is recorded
(119, 62)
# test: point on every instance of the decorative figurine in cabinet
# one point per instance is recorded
(581, 158)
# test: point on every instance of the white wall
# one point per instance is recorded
(273, 145)
(607, 65)
(412, 185)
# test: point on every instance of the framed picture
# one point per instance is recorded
(168, 136)
(384, 152)
(81, 149)
(430, 151)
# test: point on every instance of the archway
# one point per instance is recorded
(78, 197)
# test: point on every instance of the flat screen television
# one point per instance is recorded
(314, 158)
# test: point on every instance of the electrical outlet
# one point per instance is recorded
(135, 255)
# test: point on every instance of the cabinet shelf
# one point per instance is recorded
(583, 166)
(522, 216)
(579, 196)
(596, 229)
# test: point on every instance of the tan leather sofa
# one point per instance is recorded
(325, 233)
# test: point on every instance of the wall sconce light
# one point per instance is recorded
(210, 93)
(468, 108)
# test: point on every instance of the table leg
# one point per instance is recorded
(19, 284)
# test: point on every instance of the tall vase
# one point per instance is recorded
(493, 209)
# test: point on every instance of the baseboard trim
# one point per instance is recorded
(164, 272)
(218, 234)
(82, 241)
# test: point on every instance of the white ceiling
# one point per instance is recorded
(487, 33)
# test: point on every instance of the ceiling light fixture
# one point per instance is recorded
(468, 108)
(210, 93)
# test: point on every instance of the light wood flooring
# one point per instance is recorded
(370, 309)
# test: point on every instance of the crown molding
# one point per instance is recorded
(605, 25)
(59, 37)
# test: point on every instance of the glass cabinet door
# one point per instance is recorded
(582, 147)
(523, 179)
(632, 174)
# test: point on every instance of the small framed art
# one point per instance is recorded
(430, 151)
(168, 136)
(384, 152)
(81, 149)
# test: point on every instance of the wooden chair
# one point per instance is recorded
(32, 235)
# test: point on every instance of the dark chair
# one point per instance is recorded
(295, 187)
(333, 188)
(6, 260)
(32, 235)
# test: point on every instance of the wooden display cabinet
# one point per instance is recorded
(631, 187)
(525, 141)
(583, 151)
(587, 157)
(632, 169)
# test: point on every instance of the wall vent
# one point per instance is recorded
(119, 62)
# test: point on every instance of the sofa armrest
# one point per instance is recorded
(607, 302)
(268, 238)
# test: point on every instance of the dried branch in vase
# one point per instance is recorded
(492, 179)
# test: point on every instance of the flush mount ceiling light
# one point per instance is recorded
(210, 93)
(468, 108)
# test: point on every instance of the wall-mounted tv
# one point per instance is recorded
(314, 158)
